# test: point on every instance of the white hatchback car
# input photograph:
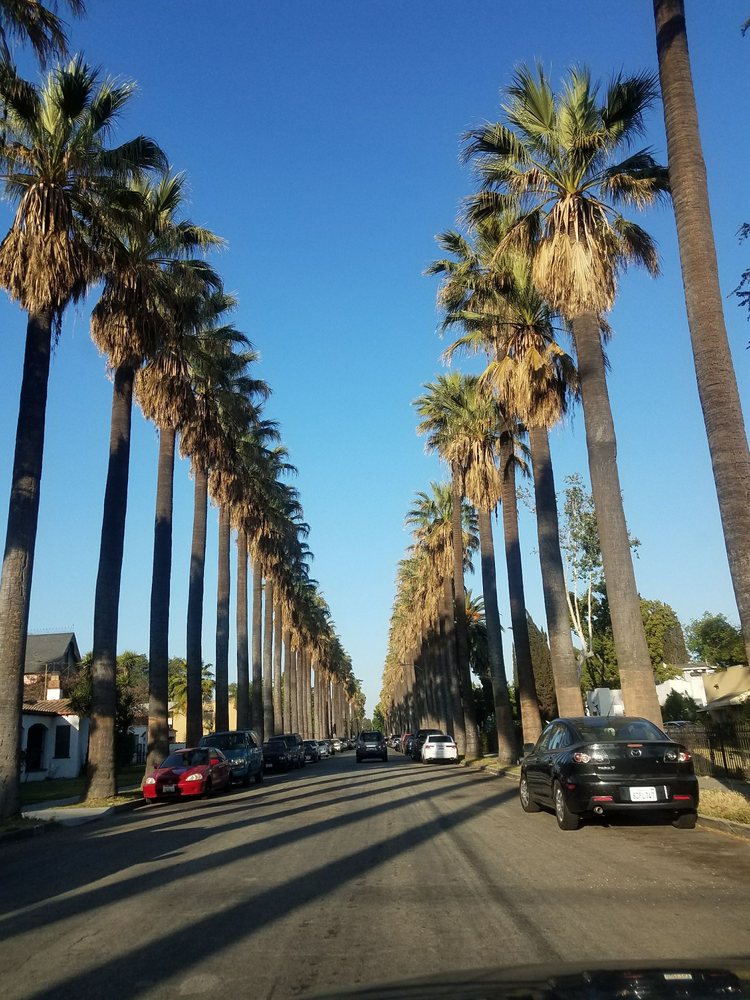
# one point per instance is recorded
(438, 746)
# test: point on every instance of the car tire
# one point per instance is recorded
(259, 777)
(209, 789)
(359, 759)
(527, 803)
(385, 758)
(566, 819)
(685, 821)
(246, 779)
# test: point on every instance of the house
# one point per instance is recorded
(52, 658)
(605, 701)
(54, 740)
(726, 690)
(690, 682)
(54, 737)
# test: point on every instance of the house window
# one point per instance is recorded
(62, 741)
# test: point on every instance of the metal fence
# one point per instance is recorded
(721, 751)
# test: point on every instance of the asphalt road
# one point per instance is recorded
(345, 875)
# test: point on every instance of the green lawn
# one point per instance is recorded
(34, 792)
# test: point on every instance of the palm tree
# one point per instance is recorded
(33, 22)
(476, 426)
(224, 411)
(491, 294)
(433, 521)
(58, 169)
(565, 182)
(714, 370)
(437, 410)
(147, 259)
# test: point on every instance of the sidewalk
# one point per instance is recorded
(67, 812)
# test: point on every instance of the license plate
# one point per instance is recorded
(167, 788)
(643, 795)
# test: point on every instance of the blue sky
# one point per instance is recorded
(322, 141)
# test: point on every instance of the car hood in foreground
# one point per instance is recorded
(590, 981)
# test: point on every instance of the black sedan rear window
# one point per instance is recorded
(371, 737)
(603, 729)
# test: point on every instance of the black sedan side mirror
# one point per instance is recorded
(528, 748)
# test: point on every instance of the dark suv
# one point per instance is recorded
(418, 741)
(242, 749)
(295, 746)
(371, 744)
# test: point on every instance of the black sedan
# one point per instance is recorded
(605, 765)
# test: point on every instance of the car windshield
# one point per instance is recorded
(226, 741)
(188, 758)
(599, 730)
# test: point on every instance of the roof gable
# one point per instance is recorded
(48, 650)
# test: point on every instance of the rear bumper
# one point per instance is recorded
(678, 795)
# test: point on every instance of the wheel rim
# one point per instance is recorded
(559, 803)
(524, 792)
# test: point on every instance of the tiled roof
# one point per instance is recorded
(55, 706)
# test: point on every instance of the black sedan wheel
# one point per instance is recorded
(259, 777)
(685, 821)
(566, 819)
(527, 803)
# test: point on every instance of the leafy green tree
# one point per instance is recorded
(679, 706)
(664, 635)
(541, 662)
(131, 695)
(715, 640)
(178, 683)
(378, 720)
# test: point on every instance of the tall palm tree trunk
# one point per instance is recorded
(268, 714)
(531, 722)
(717, 383)
(194, 644)
(221, 720)
(473, 748)
(506, 733)
(301, 683)
(101, 777)
(18, 558)
(294, 691)
(450, 665)
(257, 651)
(243, 661)
(158, 653)
(277, 640)
(564, 669)
(286, 706)
(633, 659)
(317, 730)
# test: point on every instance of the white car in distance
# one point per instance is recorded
(438, 746)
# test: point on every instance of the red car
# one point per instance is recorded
(188, 773)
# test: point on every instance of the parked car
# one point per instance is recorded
(242, 749)
(606, 765)
(371, 744)
(337, 744)
(438, 746)
(276, 754)
(418, 739)
(296, 748)
(312, 750)
(403, 741)
(394, 742)
(188, 773)
(325, 750)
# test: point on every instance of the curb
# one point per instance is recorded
(741, 830)
(26, 832)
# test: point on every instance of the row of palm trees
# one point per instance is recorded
(544, 244)
(92, 214)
